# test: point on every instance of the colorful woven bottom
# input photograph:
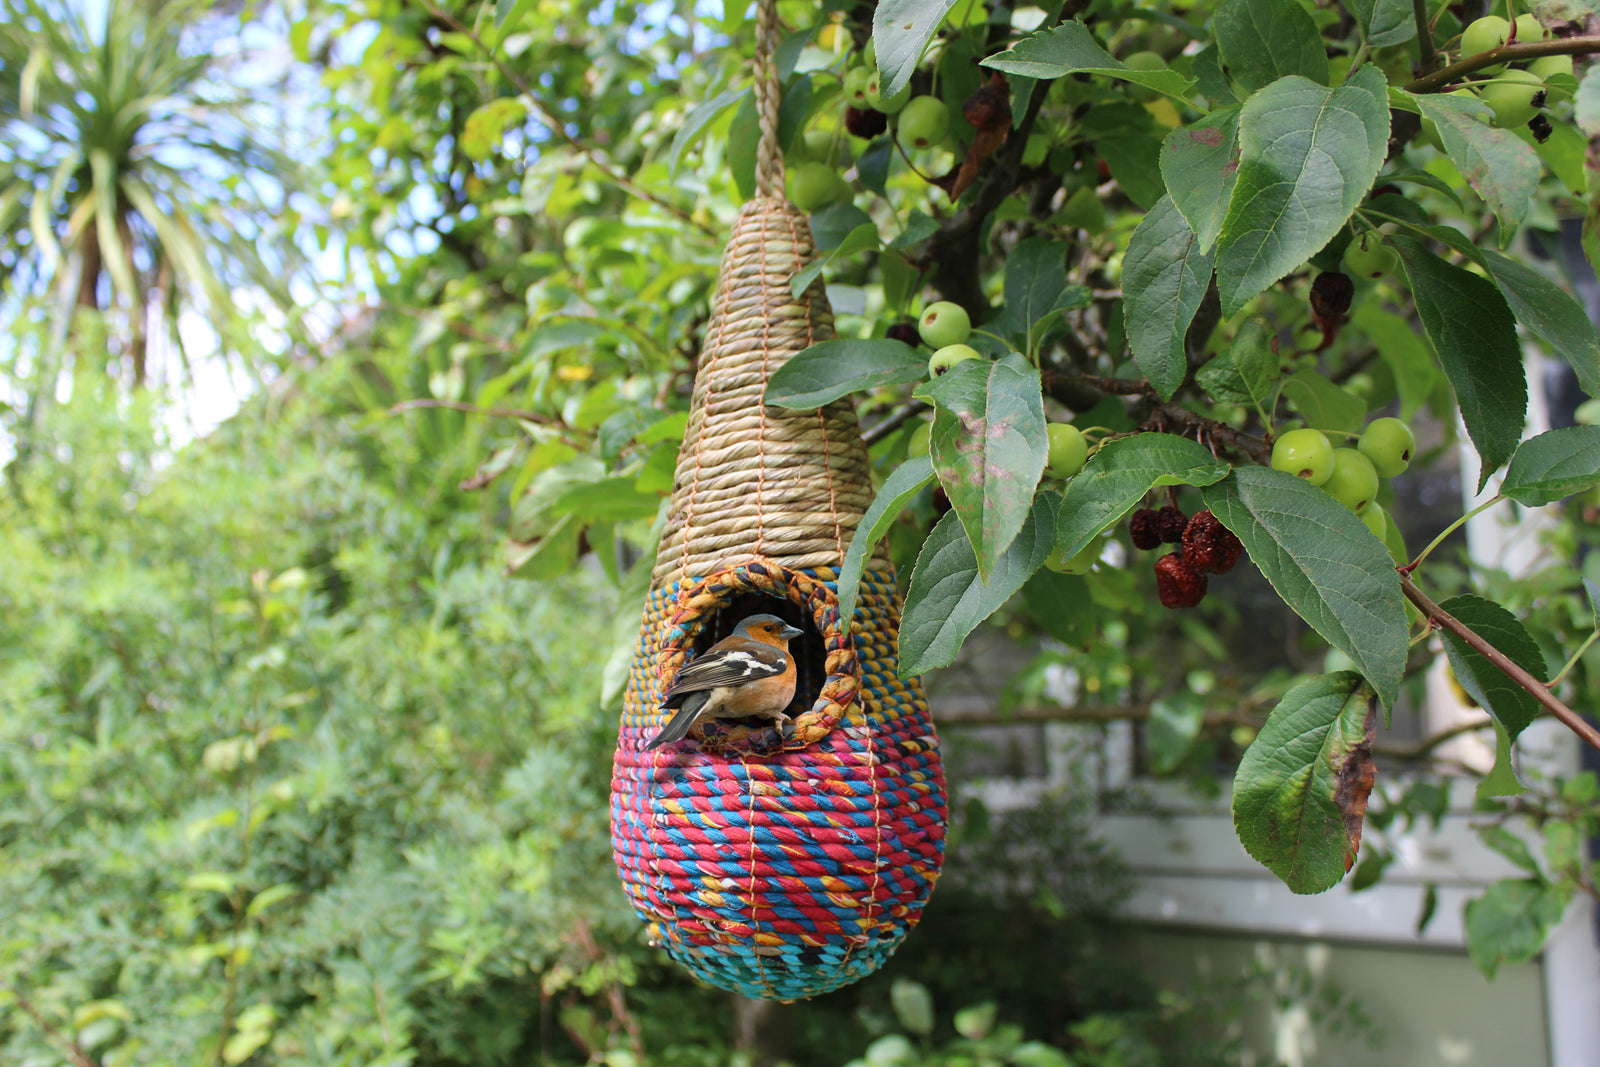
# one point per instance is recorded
(781, 866)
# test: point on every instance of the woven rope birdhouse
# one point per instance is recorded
(775, 862)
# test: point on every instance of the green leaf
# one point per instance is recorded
(1262, 41)
(828, 370)
(1324, 563)
(696, 124)
(896, 493)
(1563, 152)
(606, 500)
(210, 882)
(486, 126)
(1554, 465)
(744, 134)
(1164, 279)
(1385, 22)
(1302, 786)
(510, 11)
(1134, 159)
(1423, 178)
(947, 598)
(1475, 337)
(1170, 731)
(1063, 605)
(1415, 373)
(1513, 706)
(1120, 473)
(859, 239)
(913, 1005)
(1502, 779)
(1210, 80)
(1248, 372)
(873, 166)
(1510, 846)
(1200, 163)
(1551, 313)
(1070, 48)
(1586, 103)
(900, 31)
(1498, 166)
(268, 897)
(1511, 921)
(918, 228)
(1307, 157)
(1322, 404)
(989, 447)
(1035, 286)
(831, 225)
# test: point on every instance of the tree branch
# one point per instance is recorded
(473, 409)
(899, 418)
(553, 123)
(1571, 719)
(1509, 53)
(74, 1051)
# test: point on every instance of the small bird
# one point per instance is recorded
(749, 672)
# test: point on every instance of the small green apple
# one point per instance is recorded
(948, 357)
(889, 105)
(921, 439)
(924, 121)
(855, 86)
(1390, 444)
(1514, 95)
(1354, 481)
(816, 185)
(944, 323)
(1078, 564)
(1068, 450)
(1530, 29)
(1484, 35)
(1369, 258)
(1304, 453)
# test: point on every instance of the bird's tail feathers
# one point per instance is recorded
(678, 726)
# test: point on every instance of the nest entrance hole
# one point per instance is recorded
(810, 657)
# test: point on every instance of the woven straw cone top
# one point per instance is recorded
(755, 481)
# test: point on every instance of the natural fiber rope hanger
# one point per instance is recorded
(776, 865)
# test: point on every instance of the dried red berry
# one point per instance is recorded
(904, 331)
(1210, 546)
(864, 122)
(1142, 528)
(989, 108)
(1176, 584)
(1170, 524)
(1331, 294)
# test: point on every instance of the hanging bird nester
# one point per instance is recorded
(778, 862)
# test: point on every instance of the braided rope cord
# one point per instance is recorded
(775, 864)
(769, 156)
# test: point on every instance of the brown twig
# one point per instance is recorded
(473, 409)
(1571, 719)
(1119, 386)
(1181, 418)
(899, 418)
(75, 1052)
(1509, 53)
(554, 124)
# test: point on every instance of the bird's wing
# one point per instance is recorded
(727, 668)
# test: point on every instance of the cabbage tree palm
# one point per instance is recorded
(133, 181)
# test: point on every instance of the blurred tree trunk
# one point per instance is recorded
(761, 1028)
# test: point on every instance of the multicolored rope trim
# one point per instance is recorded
(781, 867)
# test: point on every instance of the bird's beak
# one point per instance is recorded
(790, 633)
